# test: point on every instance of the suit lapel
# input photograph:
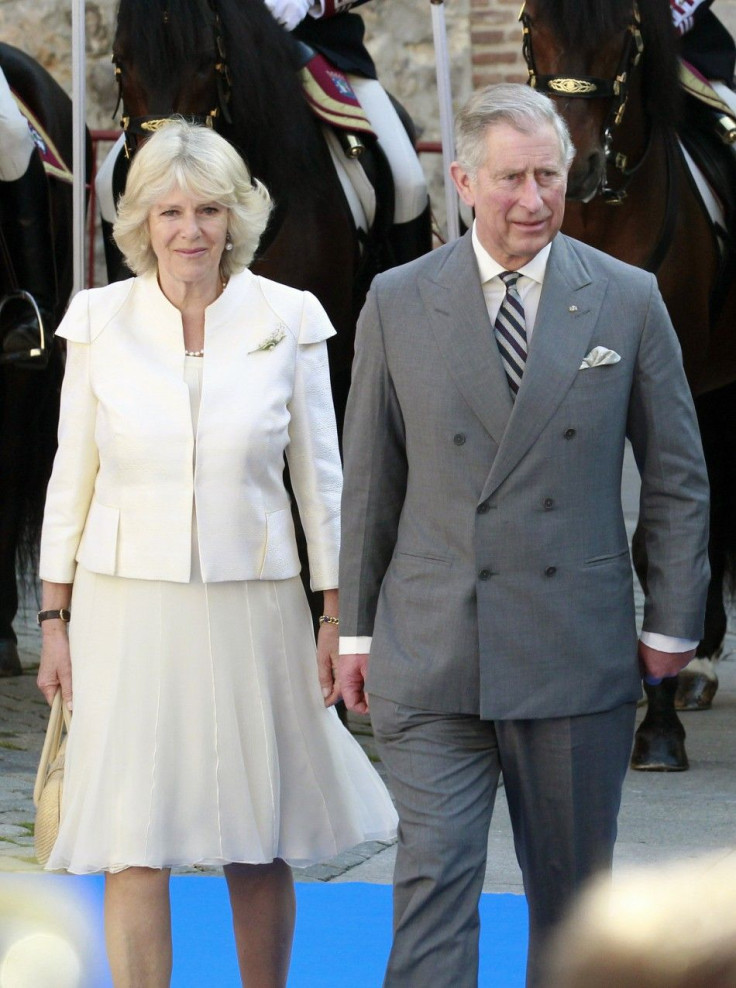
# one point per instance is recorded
(568, 312)
(463, 333)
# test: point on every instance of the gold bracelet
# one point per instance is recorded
(328, 619)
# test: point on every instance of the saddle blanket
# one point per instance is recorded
(714, 95)
(331, 97)
(53, 163)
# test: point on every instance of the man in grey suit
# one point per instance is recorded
(485, 566)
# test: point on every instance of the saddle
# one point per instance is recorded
(708, 133)
(708, 139)
(360, 164)
(53, 163)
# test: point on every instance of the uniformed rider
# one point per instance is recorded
(334, 30)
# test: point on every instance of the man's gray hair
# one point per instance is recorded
(524, 109)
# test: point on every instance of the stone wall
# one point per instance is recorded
(495, 37)
(483, 36)
(399, 36)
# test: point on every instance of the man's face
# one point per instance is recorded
(518, 193)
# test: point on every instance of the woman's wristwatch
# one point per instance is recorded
(63, 613)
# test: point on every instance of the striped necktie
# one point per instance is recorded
(510, 331)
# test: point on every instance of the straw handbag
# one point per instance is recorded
(50, 780)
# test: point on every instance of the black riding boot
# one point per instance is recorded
(25, 223)
(410, 240)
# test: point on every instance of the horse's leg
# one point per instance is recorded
(717, 418)
(659, 743)
(29, 413)
(12, 463)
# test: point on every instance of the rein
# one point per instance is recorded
(591, 87)
(136, 128)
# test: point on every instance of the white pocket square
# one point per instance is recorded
(599, 356)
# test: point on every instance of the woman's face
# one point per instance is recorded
(188, 238)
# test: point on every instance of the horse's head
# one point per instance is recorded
(584, 56)
(169, 59)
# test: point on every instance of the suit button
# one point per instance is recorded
(550, 571)
(459, 439)
(548, 503)
(569, 433)
(483, 508)
(485, 574)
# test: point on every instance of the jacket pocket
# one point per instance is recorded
(99, 544)
(608, 557)
(280, 558)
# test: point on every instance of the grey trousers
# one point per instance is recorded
(563, 779)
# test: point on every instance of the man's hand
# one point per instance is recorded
(289, 13)
(656, 665)
(351, 673)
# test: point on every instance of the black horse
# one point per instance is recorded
(229, 63)
(29, 395)
(612, 68)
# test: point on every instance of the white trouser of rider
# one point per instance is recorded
(16, 143)
(103, 181)
(410, 186)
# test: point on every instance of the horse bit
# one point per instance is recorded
(589, 87)
(136, 128)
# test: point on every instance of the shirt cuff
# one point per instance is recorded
(666, 643)
(355, 646)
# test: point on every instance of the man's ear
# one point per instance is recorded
(463, 183)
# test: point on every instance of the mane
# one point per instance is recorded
(577, 22)
(269, 113)
(581, 24)
(268, 99)
(162, 47)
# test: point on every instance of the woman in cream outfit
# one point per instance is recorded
(202, 732)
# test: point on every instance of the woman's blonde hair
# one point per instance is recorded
(197, 161)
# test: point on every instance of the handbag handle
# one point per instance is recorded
(58, 719)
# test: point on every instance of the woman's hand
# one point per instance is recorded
(55, 670)
(327, 649)
(327, 652)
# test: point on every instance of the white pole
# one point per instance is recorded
(79, 115)
(444, 95)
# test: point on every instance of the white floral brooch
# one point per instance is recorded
(271, 341)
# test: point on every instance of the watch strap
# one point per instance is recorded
(63, 614)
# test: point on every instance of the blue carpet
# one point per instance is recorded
(342, 938)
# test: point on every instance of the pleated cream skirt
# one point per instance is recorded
(199, 734)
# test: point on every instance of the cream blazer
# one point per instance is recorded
(122, 488)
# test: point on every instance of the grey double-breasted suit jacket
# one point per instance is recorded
(483, 542)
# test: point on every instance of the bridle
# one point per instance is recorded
(137, 128)
(590, 87)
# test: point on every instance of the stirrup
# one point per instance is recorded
(35, 353)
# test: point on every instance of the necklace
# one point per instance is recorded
(200, 353)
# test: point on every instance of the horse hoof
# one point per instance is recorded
(696, 686)
(9, 659)
(659, 752)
